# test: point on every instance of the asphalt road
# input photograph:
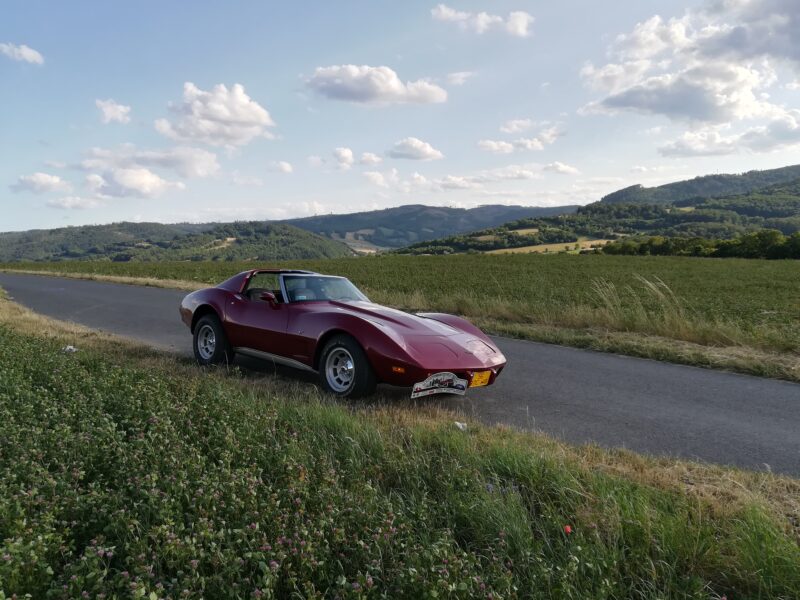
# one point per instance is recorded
(576, 395)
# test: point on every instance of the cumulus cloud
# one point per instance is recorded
(111, 111)
(282, 166)
(21, 53)
(136, 182)
(516, 125)
(344, 158)
(376, 178)
(496, 146)
(563, 169)
(459, 77)
(517, 24)
(40, 183)
(219, 117)
(544, 138)
(185, 161)
(712, 67)
(412, 148)
(779, 133)
(368, 158)
(74, 202)
(705, 142)
(373, 85)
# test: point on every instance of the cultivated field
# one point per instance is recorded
(582, 244)
(731, 313)
(129, 473)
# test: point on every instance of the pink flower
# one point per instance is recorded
(567, 529)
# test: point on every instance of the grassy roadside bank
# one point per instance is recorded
(128, 472)
(739, 315)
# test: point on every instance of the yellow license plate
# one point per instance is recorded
(480, 378)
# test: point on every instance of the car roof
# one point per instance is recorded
(281, 271)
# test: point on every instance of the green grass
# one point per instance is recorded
(714, 302)
(128, 473)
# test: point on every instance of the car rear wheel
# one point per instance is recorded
(344, 369)
(211, 346)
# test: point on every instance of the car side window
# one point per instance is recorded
(263, 282)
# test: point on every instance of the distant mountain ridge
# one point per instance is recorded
(412, 223)
(253, 240)
(770, 211)
(707, 186)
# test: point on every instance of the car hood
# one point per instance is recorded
(401, 322)
(431, 343)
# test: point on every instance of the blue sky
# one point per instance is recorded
(198, 111)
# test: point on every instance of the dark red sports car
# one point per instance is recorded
(324, 324)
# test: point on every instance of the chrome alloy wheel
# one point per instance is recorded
(339, 370)
(206, 342)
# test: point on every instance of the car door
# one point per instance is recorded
(257, 324)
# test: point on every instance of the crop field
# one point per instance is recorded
(711, 301)
(129, 473)
(582, 244)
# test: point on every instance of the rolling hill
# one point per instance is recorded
(255, 240)
(403, 225)
(707, 186)
(775, 208)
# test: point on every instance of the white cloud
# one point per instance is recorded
(281, 166)
(74, 202)
(459, 77)
(779, 133)
(368, 158)
(21, 53)
(376, 178)
(705, 142)
(529, 144)
(544, 138)
(516, 125)
(40, 183)
(559, 167)
(712, 67)
(517, 24)
(185, 161)
(373, 85)
(113, 111)
(457, 182)
(344, 158)
(414, 149)
(220, 117)
(136, 182)
(496, 146)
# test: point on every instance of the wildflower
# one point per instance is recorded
(194, 563)
(567, 529)
(273, 565)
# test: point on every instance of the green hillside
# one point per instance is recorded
(404, 225)
(707, 186)
(725, 218)
(254, 240)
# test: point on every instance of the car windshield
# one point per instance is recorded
(303, 288)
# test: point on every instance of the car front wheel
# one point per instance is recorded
(210, 343)
(345, 370)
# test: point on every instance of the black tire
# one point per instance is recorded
(361, 380)
(213, 350)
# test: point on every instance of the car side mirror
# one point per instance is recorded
(270, 298)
